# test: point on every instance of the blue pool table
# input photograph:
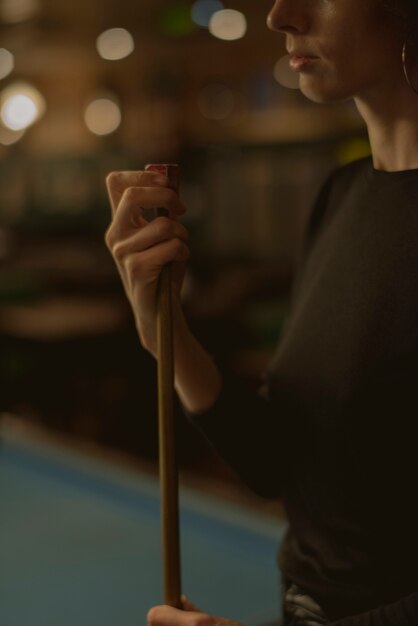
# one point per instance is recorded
(80, 544)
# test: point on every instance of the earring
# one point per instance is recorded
(405, 70)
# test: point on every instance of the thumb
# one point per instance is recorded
(187, 605)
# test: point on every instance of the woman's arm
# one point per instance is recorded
(240, 425)
(197, 379)
(141, 249)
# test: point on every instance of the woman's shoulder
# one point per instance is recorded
(333, 191)
(349, 172)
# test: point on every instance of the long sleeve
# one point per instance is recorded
(243, 429)
(243, 426)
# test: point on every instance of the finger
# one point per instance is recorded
(129, 213)
(144, 267)
(117, 182)
(155, 232)
(168, 616)
(142, 270)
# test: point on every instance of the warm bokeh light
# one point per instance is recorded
(21, 105)
(8, 137)
(202, 11)
(115, 44)
(102, 116)
(216, 102)
(15, 11)
(18, 112)
(7, 62)
(228, 24)
(284, 75)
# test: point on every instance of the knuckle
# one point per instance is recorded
(112, 178)
(180, 249)
(108, 237)
(164, 227)
(178, 245)
(151, 615)
(131, 194)
(118, 251)
(183, 232)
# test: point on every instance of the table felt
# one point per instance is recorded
(80, 545)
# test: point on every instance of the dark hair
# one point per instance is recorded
(406, 11)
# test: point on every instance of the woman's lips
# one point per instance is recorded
(299, 63)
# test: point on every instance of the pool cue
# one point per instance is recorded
(166, 429)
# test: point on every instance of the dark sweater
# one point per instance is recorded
(333, 431)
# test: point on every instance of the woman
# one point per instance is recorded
(333, 433)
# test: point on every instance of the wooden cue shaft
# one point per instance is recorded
(167, 447)
(166, 428)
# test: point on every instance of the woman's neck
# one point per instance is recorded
(393, 130)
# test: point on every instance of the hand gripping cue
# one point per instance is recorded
(167, 447)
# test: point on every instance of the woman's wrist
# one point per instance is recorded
(197, 378)
(147, 336)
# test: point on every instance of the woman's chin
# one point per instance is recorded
(319, 93)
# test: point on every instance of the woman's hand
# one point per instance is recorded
(140, 248)
(189, 616)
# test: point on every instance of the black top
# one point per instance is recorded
(333, 431)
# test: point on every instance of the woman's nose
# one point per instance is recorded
(287, 16)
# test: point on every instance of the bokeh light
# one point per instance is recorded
(202, 11)
(21, 105)
(216, 101)
(284, 74)
(228, 24)
(7, 62)
(102, 116)
(18, 112)
(15, 11)
(115, 44)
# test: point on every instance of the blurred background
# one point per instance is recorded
(91, 87)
